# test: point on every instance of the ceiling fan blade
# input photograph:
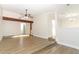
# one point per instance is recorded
(29, 15)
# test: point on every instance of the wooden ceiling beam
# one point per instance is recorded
(15, 19)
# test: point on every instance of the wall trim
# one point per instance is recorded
(40, 36)
(72, 46)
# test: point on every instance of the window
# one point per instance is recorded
(23, 28)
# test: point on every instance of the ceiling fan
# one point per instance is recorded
(28, 15)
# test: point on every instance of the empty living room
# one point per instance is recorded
(39, 28)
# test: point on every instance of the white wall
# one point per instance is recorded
(68, 30)
(42, 26)
(11, 27)
(0, 22)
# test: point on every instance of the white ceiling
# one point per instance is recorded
(34, 9)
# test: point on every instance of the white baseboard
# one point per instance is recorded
(72, 46)
(41, 36)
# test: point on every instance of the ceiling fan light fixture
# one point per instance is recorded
(27, 16)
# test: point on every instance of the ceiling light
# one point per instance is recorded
(27, 16)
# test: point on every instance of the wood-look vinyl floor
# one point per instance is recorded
(33, 45)
(58, 49)
(23, 45)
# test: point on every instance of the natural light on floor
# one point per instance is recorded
(20, 36)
